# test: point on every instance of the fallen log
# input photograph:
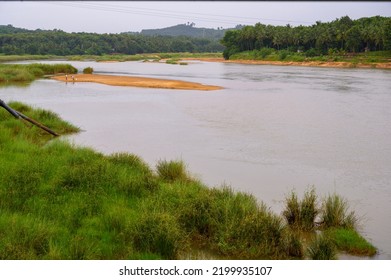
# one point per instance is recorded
(19, 115)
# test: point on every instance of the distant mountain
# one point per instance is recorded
(189, 30)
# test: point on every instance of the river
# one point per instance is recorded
(272, 129)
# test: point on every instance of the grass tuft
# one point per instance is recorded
(335, 213)
(158, 233)
(301, 214)
(172, 170)
(321, 248)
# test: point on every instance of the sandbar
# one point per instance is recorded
(135, 82)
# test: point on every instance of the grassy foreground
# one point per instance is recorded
(58, 201)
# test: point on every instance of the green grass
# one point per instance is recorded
(25, 73)
(58, 201)
(172, 61)
(351, 242)
(10, 58)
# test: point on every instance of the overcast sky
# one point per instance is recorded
(116, 17)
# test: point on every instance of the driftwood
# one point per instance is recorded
(19, 115)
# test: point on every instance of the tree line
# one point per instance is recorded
(58, 42)
(343, 34)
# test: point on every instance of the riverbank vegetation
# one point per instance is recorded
(59, 201)
(339, 38)
(330, 226)
(25, 73)
(374, 59)
(113, 57)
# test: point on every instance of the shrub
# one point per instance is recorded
(230, 51)
(312, 53)
(265, 52)
(283, 54)
(88, 70)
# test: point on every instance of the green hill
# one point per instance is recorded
(190, 31)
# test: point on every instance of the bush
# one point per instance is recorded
(265, 52)
(283, 54)
(312, 53)
(230, 51)
(88, 70)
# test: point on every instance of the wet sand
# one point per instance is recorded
(136, 82)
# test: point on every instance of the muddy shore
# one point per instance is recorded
(333, 64)
(135, 82)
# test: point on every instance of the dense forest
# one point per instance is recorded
(57, 42)
(340, 35)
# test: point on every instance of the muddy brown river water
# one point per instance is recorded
(271, 129)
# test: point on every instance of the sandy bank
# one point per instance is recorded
(336, 64)
(136, 82)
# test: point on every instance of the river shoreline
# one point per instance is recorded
(327, 64)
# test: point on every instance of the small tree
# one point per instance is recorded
(88, 70)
